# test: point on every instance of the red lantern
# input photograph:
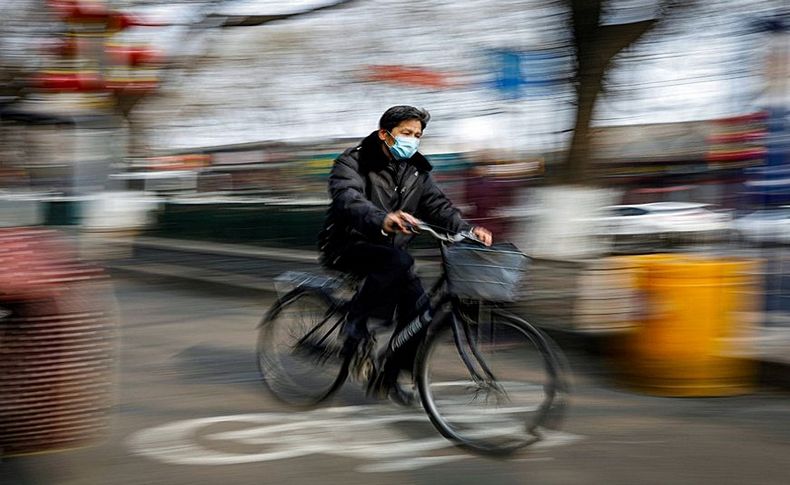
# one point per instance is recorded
(132, 55)
(84, 81)
(119, 21)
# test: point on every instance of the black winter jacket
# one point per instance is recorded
(365, 185)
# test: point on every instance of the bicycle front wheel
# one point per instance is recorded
(489, 383)
(298, 348)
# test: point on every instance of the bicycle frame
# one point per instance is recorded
(474, 362)
(437, 300)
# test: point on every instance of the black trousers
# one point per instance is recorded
(389, 282)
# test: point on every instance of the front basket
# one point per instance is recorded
(485, 273)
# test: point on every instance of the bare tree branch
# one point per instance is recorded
(614, 38)
(585, 19)
(596, 46)
(255, 20)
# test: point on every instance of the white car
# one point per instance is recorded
(771, 226)
(684, 220)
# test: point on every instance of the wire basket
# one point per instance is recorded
(485, 273)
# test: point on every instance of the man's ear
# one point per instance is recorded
(382, 134)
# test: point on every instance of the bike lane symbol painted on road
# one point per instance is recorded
(366, 433)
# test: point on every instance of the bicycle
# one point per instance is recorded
(488, 380)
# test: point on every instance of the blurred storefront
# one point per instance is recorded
(706, 161)
(275, 193)
(65, 132)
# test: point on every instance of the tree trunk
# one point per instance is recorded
(125, 104)
(589, 86)
(596, 46)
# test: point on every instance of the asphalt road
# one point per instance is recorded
(191, 410)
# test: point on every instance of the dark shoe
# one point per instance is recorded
(386, 386)
(402, 396)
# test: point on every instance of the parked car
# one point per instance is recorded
(683, 221)
(765, 226)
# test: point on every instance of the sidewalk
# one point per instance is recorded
(247, 267)
(255, 268)
(238, 265)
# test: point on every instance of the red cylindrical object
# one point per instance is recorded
(57, 345)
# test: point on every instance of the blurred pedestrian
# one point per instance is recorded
(486, 193)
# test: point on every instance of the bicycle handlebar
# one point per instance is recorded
(450, 238)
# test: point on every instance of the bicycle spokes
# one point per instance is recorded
(487, 383)
(470, 354)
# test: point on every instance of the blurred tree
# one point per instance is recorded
(596, 45)
(27, 18)
(209, 20)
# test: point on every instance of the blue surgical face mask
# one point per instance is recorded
(404, 147)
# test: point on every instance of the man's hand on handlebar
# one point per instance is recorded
(400, 221)
(406, 223)
(483, 235)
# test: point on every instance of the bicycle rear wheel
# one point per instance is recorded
(298, 348)
(488, 384)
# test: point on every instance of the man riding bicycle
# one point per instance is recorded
(379, 189)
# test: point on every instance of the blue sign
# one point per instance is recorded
(531, 73)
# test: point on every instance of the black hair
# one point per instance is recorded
(395, 115)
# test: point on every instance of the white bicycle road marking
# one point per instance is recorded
(368, 433)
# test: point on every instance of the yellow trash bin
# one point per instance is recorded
(689, 334)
